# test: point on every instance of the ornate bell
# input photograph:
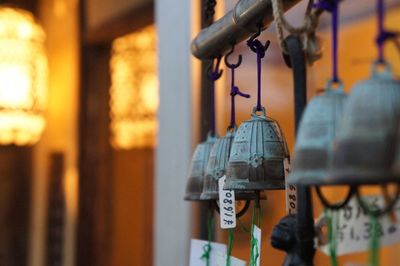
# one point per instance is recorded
(257, 157)
(364, 149)
(216, 169)
(314, 144)
(217, 163)
(194, 185)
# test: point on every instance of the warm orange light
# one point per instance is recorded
(134, 90)
(23, 77)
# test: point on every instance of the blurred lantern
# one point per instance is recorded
(23, 77)
(134, 90)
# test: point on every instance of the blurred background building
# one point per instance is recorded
(99, 126)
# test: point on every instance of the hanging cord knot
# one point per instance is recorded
(310, 41)
(206, 253)
(256, 46)
(385, 36)
(234, 89)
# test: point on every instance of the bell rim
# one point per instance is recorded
(242, 185)
(209, 195)
(193, 197)
(344, 177)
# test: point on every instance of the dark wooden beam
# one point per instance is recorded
(15, 204)
(95, 184)
(30, 5)
(131, 21)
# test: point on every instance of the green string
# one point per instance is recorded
(207, 247)
(254, 242)
(374, 244)
(333, 220)
(230, 245)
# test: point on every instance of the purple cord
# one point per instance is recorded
(233, 115)
(234, 91)
(213, 76)
(332, 7)
(259, 107)
(383, 34)
(257, 47)
(380, 39)
(335, 26)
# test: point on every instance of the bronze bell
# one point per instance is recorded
(314, 143)
(257, 157)
(217, 163)
(364, 149)
(216, 169)
(194, 185)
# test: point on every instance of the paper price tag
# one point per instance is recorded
(257, 250)
(226, 206)
(221, 260)
(291, 190)
(197, 251)
(354, 230)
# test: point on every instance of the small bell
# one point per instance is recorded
(257, 157)
(216, 169)
(217, 163)
(194, 185)
(364, 149)
(314, 144)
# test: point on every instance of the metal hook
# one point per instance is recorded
(215, 74)
(255, 45)
(258, 33)
(231, 65)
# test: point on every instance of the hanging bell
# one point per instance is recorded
(257, 157)
(217, 162)
(216, 169)
(194, 185)
(314, 143)
(365, 145)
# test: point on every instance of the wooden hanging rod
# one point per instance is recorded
(237, 25)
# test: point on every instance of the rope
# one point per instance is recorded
(254, 242)
(311, 44)
(374, 244)
(207, 247)
(230, 245)
(333, 221)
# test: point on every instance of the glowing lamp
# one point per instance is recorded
(134, 90)
(23, 77)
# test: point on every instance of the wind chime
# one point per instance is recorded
(341, 140)
(349, 140)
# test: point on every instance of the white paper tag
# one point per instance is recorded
(221, 260)
(257, 236)
(354, 228)
(291, 190)
(226, 205)
(197, 251)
